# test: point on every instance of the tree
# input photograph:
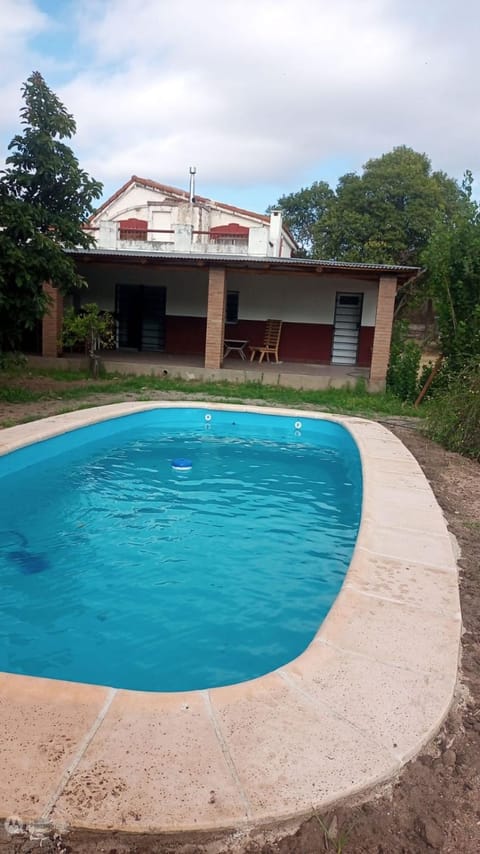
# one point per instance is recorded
(302, 210)
(44, 198)
(383, 216)
(91, 329)
(387, 214)
(453, 261)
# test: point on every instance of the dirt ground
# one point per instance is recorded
(434, 805)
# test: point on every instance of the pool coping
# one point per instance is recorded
(367, 694)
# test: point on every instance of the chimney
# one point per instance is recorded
(275, 233)
(193, 171)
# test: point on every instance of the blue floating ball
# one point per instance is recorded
(181, 464)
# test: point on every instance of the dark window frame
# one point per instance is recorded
(231, 307)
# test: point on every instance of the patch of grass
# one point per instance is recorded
(350, 401)
(14, 394)
(12, 361)
(353, 401)
(58, 374)
(12, 422)
(335, 839)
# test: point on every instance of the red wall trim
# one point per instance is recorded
(306, 342)
(133, 223)
(299, 342)
(365, 346)
(185, 336)
(230, 230)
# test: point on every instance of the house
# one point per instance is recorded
(144, 214)
(182, 274)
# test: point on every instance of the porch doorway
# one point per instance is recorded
(348, 315)
(140, 312)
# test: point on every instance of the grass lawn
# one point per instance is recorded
(21, 389)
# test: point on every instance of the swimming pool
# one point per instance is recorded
(118, 570)
(370, 690)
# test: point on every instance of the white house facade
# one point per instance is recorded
(146, 215)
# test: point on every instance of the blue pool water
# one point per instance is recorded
(118, 570)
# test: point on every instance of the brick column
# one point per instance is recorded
(52, 321)
(215, 317)
(387, 289)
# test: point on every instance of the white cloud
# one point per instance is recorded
(20, 20)
(263, 90)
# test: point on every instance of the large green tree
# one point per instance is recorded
(44, 198)
(385, 215)
(303, 210)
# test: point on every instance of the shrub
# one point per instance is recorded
(454, 413)
(11, 361)
(91, 328)
(402, 376)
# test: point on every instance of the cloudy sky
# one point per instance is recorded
(262, 96)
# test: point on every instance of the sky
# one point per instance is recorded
(263, 97)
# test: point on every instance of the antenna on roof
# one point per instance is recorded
(193, 171)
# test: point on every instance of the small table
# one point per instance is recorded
(234, 345)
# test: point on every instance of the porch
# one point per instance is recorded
(174, 313)
(299, 375)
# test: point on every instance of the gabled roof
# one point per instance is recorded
(174, 191)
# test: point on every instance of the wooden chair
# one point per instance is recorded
(271, 341)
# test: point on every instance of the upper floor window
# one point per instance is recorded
(230, 235)
(133, 229)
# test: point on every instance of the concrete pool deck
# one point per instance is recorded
(368, 693)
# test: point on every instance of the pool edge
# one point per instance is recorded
(256, 761)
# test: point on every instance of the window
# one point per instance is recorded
(231, 241)
(231, 308)
(229, 235)
(133, 229)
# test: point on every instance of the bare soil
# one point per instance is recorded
(434, 804)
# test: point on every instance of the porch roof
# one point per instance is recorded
(293, 265)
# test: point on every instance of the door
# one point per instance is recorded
(129, 316)
(141, 317)
(348, 314)
(153, 318)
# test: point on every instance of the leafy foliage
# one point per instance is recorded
(12, 361)
(303, 210)
(453, 259)
(44, 198)
(90, 328)
(438, 379)
(403, 369)
(454, 413)
(386, 215)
